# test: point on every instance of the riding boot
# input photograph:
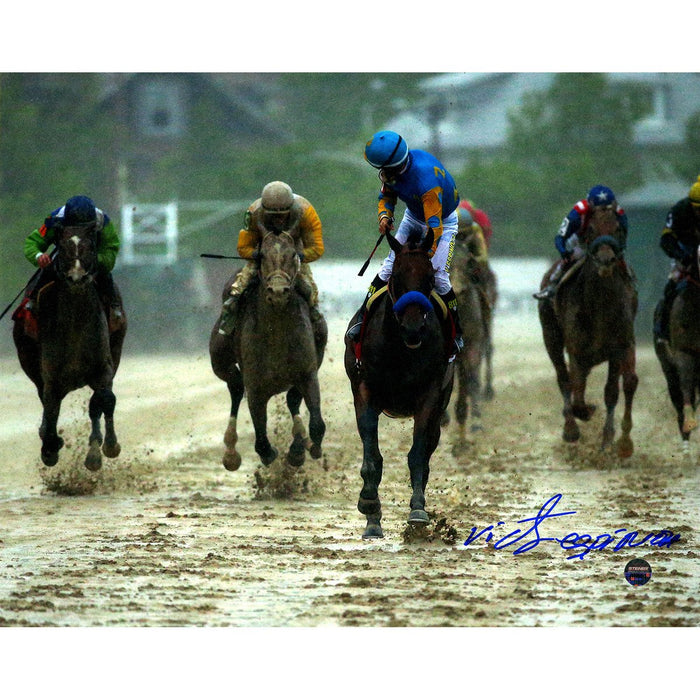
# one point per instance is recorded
(551, 289)
(662, 327)
(450, 299)
(108, 293)
(354, 331)
(227, 322)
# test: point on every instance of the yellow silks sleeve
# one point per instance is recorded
(311, 234)
(432, 210)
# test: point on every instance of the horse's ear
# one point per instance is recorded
(393, 243)
(427, 242)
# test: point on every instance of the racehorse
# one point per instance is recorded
(476, 301)
(680, 357)
(274, 348)
(592, 318)
(69, 344)
(400, 367)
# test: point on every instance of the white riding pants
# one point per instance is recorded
(443, 254)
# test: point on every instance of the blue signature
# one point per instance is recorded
(572, 541)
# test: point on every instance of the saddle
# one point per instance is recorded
(26, 313)
(449, 330)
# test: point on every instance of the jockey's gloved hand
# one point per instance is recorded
(301, 256)
(386, 223)
(43, 260)
(255, 255)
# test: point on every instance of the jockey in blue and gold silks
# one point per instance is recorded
(429, 192)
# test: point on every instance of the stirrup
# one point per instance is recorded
(547, 293)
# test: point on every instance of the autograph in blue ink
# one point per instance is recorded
(571, 541)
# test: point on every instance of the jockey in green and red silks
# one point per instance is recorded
(429, 192)
(78, 211)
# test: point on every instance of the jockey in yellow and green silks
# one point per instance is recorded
(277, 209)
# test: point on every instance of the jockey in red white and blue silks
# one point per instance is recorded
(576, 221)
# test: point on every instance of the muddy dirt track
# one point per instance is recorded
(164, 536)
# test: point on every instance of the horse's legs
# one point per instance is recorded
(257, 403)
(686, 374)
(488, 357)
(625, 447)
(300, 440)
(426, 435)
(51, 442)
(372, 465)
(578, 375)
(554, 343)
(232, 458)
(474, 386)
(461, 407)
(102, 402)
(612, 394)
(317, 427)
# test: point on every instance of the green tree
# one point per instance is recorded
(560, 142)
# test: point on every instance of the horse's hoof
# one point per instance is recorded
(418, 517)
(315, 451)
(571, 436)
(625, 448)
(477, 428)
(584, 413)
(296, 457)
(269, 457)
(49, 458)
(373, 531)
(93, 459)
(111, 450)
(489, 395)
(232, 460)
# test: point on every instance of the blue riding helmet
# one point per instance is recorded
(386, 149)
(79, 210)
(600, 196)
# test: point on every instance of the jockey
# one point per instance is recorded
(480, 217)
(471, 235)
(79, 211)
(423, 183)
(277, 209)
(679, 240)
(572, 232)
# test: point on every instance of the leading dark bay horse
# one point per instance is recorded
(401, 368)
(66, 343)
(680, 356)
(591, 317)
(275, 348)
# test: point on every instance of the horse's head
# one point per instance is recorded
(412, 280)
(279, 266)
(76, 261)
(605, 252)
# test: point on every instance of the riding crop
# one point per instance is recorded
(364, 267)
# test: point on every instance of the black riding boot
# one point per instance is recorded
(354, 330)
(662, 329)
(107, 292)
(450, 300)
